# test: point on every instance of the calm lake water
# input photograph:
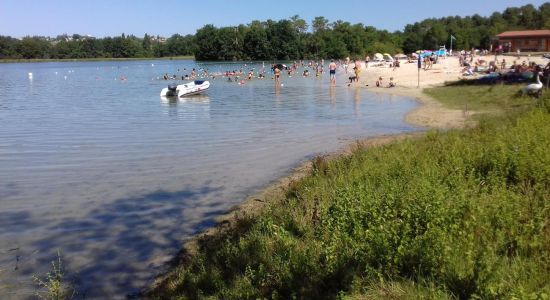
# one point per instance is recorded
(116, 178)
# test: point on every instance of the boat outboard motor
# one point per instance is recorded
(172, 90)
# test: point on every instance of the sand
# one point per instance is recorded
(431, 113)
(446, 70)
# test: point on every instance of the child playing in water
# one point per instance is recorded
(391, 84)
(379, 82)
(352, 79)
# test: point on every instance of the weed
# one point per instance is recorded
(54, 286)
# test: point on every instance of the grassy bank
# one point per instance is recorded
(35, 60)
(492, 99)
(457, 214)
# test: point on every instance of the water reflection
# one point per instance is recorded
(357, 102)
(277, 89)
(191, 108)
(171, 101)
(117, 179)
(332, 94)
(203, 98)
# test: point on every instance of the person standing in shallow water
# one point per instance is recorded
(332, 71)
(357, 69)
(277, 74)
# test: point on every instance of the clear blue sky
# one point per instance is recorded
(101, 18)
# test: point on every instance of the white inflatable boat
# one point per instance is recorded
(187, 89)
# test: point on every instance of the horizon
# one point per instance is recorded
(98, 19)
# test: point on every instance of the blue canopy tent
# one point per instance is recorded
(440, 52)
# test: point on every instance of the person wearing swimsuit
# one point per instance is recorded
(332, 69)
(277, 74)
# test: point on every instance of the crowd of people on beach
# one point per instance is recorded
(482, 65)
(358, 71)
(301, 67)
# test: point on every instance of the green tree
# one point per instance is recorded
(545, 16)
(7, 47)
(33, 47)
(207, 43)
(319, 24)
(256, 44)
(529, 17)
(147, 46)
(178, 45)
(300, 25)
(435, 36)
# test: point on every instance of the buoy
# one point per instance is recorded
(282, 84)
(152, 65)
(30, 75)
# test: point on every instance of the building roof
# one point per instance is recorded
(524, 33)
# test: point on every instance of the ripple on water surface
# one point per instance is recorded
(118, 178)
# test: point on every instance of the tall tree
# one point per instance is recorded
(147, 46)
(319, 24)
(300, 25)
(207, 43)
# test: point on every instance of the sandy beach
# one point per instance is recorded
(446, 70)
(430, 113)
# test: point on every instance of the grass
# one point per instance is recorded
(54, 286)
(498, 99)
(35, 60)
(454, 215)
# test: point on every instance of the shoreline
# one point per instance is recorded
(430, 114)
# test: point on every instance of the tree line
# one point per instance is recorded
(291, 38)
(77, 46)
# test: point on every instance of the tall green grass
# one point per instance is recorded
(460, 214)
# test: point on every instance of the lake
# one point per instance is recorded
(94, 164)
